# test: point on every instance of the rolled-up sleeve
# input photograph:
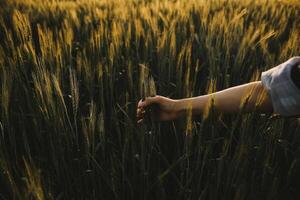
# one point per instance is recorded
(285, 95)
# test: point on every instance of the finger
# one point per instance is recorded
(140, 114)
(140, 121)
(139, 118)
(140, 110)
(140, 103)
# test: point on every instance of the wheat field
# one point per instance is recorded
(72, 72)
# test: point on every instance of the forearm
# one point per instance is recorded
(231, 100)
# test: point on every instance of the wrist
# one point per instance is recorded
(196, 104)
(185, 105)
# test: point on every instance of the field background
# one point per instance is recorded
(72, 72)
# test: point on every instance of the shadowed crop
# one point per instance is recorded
(72, 72)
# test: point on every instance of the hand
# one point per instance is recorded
(163, 108)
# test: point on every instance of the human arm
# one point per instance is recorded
(231, 100)
(278, 91)
(252, 95)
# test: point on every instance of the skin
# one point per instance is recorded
(226, 101)
(248, 97)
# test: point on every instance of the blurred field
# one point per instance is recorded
(72, 72)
